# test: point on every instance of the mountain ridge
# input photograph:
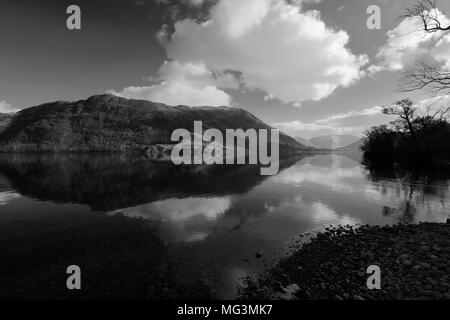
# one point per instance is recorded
(110, 123)
(355, 146)
(333, 142)
(304, 142)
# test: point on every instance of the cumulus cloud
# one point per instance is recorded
(277, 48)
(441, 51)
(188, 84)
(408, 42)
(7, 108)
(352, 122)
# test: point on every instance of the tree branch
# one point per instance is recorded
(428, 77)
(426, 10)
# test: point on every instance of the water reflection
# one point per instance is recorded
(207, 221)
(109, 182)
(415, 192)
(183, 220)
(7, 196)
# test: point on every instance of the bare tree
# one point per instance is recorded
(410, 120)
(407, 114)
(426, 76)
(427, 11)
(438, 114)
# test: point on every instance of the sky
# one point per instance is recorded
(308, 67)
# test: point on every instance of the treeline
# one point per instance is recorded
(412, 137)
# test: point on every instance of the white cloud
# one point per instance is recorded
(408, 42)
(196, 2)
(354, 116)
(274, 46)
(188, 84)
(177, 216)
(434, 104)
(352, 122)
(355, 122)
(437, 101)
(188, 2)
(441, 51)
(277, 48)
(312, 129)
(7, 108)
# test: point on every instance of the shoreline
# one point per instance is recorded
(414, 262)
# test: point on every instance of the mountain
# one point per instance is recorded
(304, 142)
(110, 123)
(353, 146)
(5, 119)
(333, 141)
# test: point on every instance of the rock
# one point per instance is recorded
(416, 268)
(403, 256)
(426, 293)
(437, 295)
(413, 269)
(407, 262)
(425, 265)
(428, 287)
(258, 255)
(288, 293)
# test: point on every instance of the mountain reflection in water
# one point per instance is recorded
(153, 230)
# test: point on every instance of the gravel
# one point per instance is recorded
(414, 261)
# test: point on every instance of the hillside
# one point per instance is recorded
(5, 119)
(333, 141)
(110, 123)
(353, 146)
(304, 142)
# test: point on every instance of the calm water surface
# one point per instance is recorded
(212, 222)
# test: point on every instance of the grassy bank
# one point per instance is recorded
(414, 262)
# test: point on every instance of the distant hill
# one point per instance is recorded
(110, 123)
(304, 142)
(353, 146)
(333, 141)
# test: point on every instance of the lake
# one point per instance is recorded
(142, 229)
